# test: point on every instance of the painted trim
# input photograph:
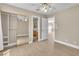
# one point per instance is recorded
(30, 42)
(22, 35)
(67, 44)
(12, 44)
(1, 49)
(38, 28)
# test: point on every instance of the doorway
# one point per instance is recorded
(34, 29)
(51, 29)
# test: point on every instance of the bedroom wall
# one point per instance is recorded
(67, 26)
(22, 28)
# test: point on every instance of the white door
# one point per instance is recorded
(38, 28)
(1, 35)
(44, 28)
(30, 30)
(12, 29)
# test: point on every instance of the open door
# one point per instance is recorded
(30, 30)
(34, 29)
(1, 35)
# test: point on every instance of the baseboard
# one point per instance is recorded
(22, 35)
(42, 40)
(1, 49)
(30, 42)
(39, 40)
(11, 44)
(67, 44)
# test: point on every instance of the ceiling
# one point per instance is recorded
(33, 6)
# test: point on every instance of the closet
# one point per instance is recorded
(5, 27)
(9, 29)
(14, 29)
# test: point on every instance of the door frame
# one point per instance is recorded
(31, 28)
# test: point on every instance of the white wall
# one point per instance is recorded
(67, 23)
(22, 28)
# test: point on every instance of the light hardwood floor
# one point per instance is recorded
(43, 48)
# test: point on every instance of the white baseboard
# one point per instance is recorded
(67, 44)
(30, 42)
(39, 40)
(22, 35)
(1, 49)
(11, 44)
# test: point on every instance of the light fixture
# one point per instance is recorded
(44, 7)
(25, 19)
(22, 18)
